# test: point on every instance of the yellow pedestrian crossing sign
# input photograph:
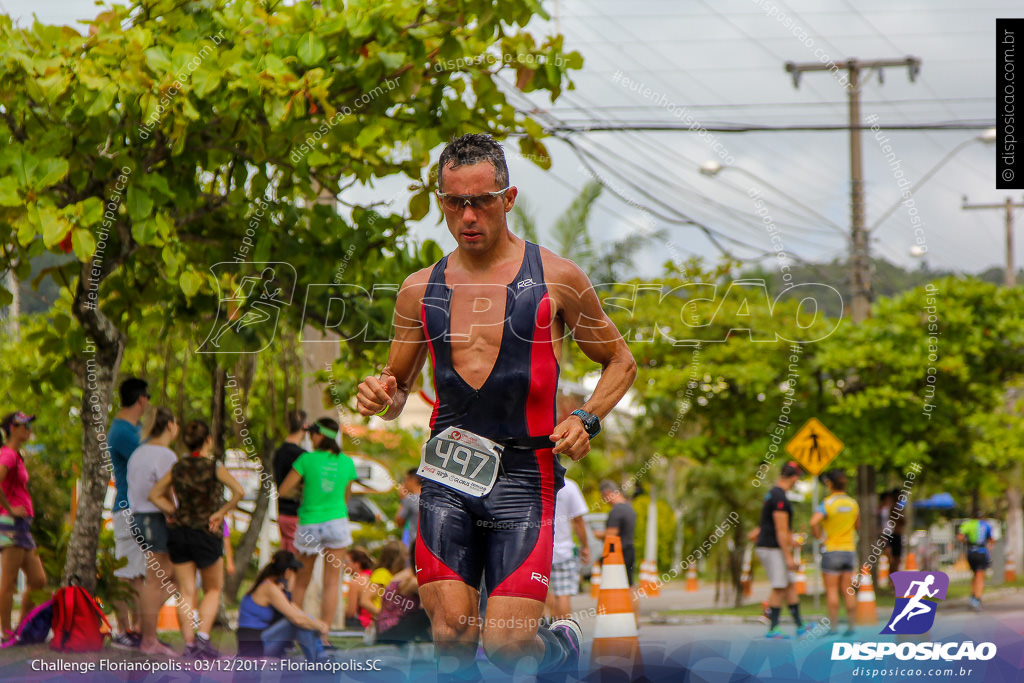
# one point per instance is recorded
(814, 447)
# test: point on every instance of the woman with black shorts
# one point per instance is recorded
(195, 535)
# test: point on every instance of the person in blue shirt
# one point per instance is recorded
(122, 439)
(977, 534)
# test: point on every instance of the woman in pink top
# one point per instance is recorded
(17, 548)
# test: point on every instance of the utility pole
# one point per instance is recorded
(860, 259)
(1014, 507)
(1009, 277)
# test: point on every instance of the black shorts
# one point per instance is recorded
(506, 534)
(185, 544)
(896, 545)
(978, 559)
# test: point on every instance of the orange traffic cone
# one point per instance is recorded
(616, 643)
(595, 580)
(911, 562)
(167, 618)
(649, 579)
(883, 572)
(801, 573)
(1010, 573)
(867, 609)
(746, 578)
(691, 580)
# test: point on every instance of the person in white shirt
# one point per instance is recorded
(565, 565)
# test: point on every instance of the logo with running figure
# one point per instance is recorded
(916, 595)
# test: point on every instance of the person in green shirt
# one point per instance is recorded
(977, 534)
(326, 475)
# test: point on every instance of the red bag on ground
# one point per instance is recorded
(79, 624)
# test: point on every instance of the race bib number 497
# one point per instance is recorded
(462, 461)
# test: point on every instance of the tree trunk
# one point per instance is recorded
(739, 545)
(1015, 517)
(96, 371)
(218, 380)
(867, 498)
(243, 554)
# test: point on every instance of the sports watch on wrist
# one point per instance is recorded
(591, 422)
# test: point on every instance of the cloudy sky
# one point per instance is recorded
(721, 63)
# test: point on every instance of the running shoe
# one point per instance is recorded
(569, 630)
(975, 604)
(849, 633)
(126, 641)
(776, 634)
(803, 631)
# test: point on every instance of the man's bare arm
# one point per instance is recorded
(405, 357)
(600, 341)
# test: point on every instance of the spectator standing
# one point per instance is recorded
(151, 461)
(284, 459)
(17, 547)
(570, 507)
(326, 475)
(621, 523)
(775, 545)
(838, 518)
(195, 538)
(123, 438)
(408, 516)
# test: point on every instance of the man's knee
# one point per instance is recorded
(451, 627)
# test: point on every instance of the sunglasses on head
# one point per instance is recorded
(458, 202)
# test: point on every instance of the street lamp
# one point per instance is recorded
(988, 137)
(712, 168)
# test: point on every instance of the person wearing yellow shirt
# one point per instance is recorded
(394, 556)
(837, 518)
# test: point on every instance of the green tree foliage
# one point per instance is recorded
(150, 146)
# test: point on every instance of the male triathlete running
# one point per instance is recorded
(492, 315)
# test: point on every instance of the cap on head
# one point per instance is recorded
(15, 418)
(791, 469)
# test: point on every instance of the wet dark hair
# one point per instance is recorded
(161, 421)
(392, 557)
(131, 390)
(359, 555)
(196, 433)
(474, 148)
(280, 562)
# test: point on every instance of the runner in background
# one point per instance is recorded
(977, 534)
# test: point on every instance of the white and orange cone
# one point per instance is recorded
(1010, 572)
(691, 580)
(167, 618)
(801, 573)
(616, 645)
(911, 562)
(867, 608)
(595, 580)
(649, 579)
(883, 572)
